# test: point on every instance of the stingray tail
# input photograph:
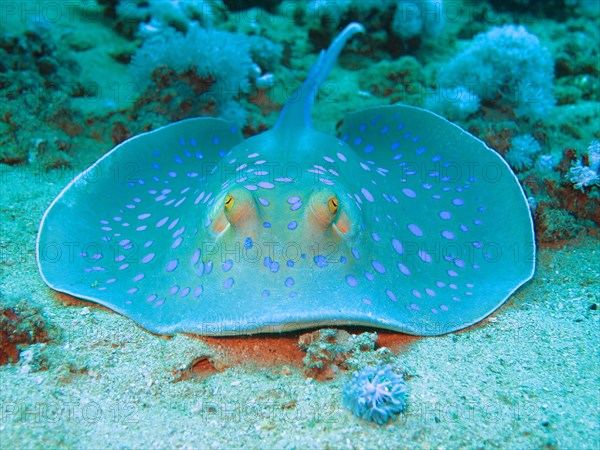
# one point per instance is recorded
(298, 107)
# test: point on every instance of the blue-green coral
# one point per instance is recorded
(418, 18)
(522, 150)
(376, 394)
(584, 176)
(230, 63)
(155, 16)
(508, 63)
(232, 60)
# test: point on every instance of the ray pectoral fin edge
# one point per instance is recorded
(455, 191)
(114, 178)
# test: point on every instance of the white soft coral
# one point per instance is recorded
(583, 176)
(157, 15)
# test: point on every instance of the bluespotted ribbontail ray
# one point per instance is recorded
(406, 223)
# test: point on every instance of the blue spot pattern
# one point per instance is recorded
(320, 261)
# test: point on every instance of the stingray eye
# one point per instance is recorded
(229, 201)
(333, 205)
(324, 208)
(238, 210)
(327, 211)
